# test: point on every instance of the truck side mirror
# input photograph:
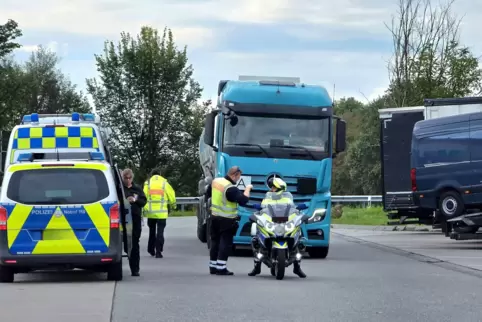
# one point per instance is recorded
(340, 135)
(209, 129)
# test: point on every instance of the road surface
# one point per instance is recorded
(357, 282)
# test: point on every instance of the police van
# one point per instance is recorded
(62, 207)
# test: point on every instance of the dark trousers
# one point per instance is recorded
(222, 233)
(134, 259)
(156, 235)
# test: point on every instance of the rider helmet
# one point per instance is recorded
(277, 183)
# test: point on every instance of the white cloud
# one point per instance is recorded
(363, 75)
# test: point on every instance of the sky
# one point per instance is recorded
(343, 45)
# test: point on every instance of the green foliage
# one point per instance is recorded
(36, 86)
(8, 33)
(147, 96)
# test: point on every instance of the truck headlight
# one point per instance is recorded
(318, 215)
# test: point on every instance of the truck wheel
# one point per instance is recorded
(450, 204)
(318, 252)
(114, 272)
(201, 232)
(6, 275)
(208, 234)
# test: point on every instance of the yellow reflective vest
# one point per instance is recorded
(220, 205)
(159, 194)
(277, 198)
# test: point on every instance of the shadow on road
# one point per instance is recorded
(59, 277)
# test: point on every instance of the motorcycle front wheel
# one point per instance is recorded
(280, 264)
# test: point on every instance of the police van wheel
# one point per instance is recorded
(114, 272)
(6, 275)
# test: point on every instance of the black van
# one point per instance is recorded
(446, 164)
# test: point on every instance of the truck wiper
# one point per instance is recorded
(295, 147)
(251, 144)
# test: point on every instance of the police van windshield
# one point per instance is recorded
(58, 186)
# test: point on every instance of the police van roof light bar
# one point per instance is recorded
(98, 156)
(75, 117)
(25, 157)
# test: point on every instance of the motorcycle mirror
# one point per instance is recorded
(257, 206)
(305, 218)
(252, 218)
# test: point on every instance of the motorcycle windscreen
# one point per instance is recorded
(280, 212)
(58, 210)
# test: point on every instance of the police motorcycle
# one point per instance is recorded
(276, 235)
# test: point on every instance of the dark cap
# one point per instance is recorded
(234, 170)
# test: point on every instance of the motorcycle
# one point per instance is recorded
(276, 235)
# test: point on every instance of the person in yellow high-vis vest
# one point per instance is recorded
(161, 199)
(225, 197)
(278, 195)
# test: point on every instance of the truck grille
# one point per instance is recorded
(260, 188)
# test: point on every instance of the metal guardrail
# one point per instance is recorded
(182, 201)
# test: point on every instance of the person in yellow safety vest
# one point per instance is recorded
(161, 199)
(225, 197)
(277, 195)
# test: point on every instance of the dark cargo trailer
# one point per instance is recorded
(396, 126)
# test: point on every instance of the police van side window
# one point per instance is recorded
(444, 148)
(58, 186)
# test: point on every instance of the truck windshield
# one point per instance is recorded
(311, 134)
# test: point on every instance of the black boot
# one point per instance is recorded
(158, 254)
(213, 270)
(297, 270)
(256, 270)
(224, 271)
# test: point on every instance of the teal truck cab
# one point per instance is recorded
(273, 128)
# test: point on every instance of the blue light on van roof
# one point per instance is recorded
(88, 117)
(27, 119)
(75, 117)
(25, 157)
(34, 117)
(99, 156)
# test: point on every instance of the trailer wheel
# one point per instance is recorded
(450, 204)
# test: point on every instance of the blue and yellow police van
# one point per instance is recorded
(61, 205)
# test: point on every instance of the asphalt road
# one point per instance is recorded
(357, 282)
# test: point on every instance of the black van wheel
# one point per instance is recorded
(450, 204)
(114, 272)
(6, 275)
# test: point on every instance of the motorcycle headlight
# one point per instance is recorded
(270, 226)
(279, 230)
(290, 226)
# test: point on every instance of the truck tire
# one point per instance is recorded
(318, 252)
(208, 234)
(450, 204)
(201, 228)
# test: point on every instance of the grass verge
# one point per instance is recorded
(373, 216)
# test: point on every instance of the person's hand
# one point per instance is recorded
(249, 187)
(131, 199)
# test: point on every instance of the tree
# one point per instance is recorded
(36, 86)
(147, 96)
(429, 61)
(8, 33)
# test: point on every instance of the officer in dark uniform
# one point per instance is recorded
(225, 197)
(138, 200)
